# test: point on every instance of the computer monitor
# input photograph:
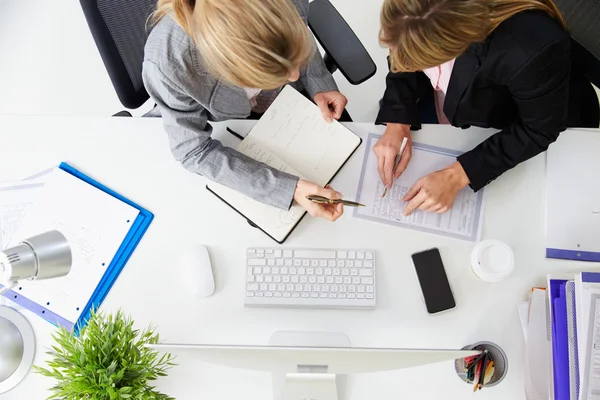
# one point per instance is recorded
(309, 372)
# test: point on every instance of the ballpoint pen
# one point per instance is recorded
(325, 200)
(397, 161)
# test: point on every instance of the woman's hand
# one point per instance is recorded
(330, 212)
(331, 104)
(386, 150)
(437, 191)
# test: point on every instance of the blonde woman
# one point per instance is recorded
(504, 64)
(213, 60)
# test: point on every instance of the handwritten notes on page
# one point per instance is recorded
(94, 223)
(463, 221)
(291, 136)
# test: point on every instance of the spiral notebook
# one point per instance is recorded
(103, 229)
(291, 136)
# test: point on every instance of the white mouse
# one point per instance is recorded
(196, 271)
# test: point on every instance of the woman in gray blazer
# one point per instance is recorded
(214, 60)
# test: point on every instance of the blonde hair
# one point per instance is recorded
(248, 43)
(425, 33)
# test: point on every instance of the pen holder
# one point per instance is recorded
(498, 356)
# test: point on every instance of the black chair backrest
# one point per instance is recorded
(120, 30)
(583, 22)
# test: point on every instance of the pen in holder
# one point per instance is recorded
(475, 371)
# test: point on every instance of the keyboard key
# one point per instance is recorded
(360, 255)
(341, 264)
(295, 295)
(320, 279)
(304, 279)
(352, 289)
(307, 288)
(256, 261)
(257, 270)
(351, 296)
(250, 278)
(251, 251)
(356, 281)
(342, 255)
(266, 270)
(323, 263)
(314, 295)
(333, 296)
(288, 254)
(319, 271)
(345, 272)
(293, 271)
(358, 264)
(369, 255)
(314, 263)
(329, 279)
(349, 264)
(328, 271)
(278, 253)
(366, 272)
(323, 295)
(263, 287)
(289, 288)
(295, 279)
(316, 288)
(354, 272)
(305, 295)
(260, 255)
(281, 287)
(301, 271)
(260, 251)
(283, 270)
(250, 294)
(368, 264)
(288, 262)
(360, 296)
(275, 271)
(298, 288)
(331, 263)
(314, 254)
(325, 288)
(269, 255)
(370, 289)
(277, 294)
(272, 287)
(277, 279)
(279, 262)
(367, 281)
(347, 281)
(249, 271)
(287, 295)
(306, 263)
(269, 251)
(336, 272)
(310, 271)
(334, 288)
(343, 288)
(285, 279)
(370, 296)
(271, 262)
(361, 289)
(259, 294)
(252, 287)
(352, 255)
(341, 296)
(260, 279)
(338, 280)
(312, 279)
(297, 263)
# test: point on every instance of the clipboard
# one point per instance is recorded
(138, 228)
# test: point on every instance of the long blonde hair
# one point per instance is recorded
(248, 43)
(424, 33)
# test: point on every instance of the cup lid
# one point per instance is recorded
(492, 260)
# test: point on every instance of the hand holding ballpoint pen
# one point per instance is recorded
(397, 161)
(325, 200)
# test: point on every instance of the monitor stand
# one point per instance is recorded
(310, 382)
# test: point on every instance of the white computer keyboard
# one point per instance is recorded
(320, 278)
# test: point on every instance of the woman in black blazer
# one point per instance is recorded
(504, 64)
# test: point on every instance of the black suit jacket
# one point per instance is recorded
(520, 80)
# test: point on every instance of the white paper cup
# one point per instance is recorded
(492, 261)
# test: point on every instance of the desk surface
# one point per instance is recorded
(132, 156)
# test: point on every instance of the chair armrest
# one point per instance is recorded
(342, 46)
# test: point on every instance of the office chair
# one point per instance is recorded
(120, 30)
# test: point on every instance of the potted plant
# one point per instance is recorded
(108, 360)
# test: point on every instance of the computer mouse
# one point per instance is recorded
(196, 271)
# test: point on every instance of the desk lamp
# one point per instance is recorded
(43, 256)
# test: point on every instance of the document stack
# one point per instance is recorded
(561, 324)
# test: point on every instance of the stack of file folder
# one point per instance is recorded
(562, 332)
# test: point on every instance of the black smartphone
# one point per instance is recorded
(433, 280)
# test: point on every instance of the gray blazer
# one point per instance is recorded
(188, 97)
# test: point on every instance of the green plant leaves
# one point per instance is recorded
(109, 360)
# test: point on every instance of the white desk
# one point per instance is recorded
(132, 156)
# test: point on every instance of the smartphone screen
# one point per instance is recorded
(433, 280)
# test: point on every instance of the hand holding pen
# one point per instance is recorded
(393, 151)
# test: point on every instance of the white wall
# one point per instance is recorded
(49, 63)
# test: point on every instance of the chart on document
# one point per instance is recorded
(463, 221)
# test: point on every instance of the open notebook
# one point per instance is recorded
(291, 136)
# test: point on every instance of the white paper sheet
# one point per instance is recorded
(94, 222)
(463, 221)
(291, 136)
(16, 199)
(591, 382)
(538, 368)
(523, 309)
